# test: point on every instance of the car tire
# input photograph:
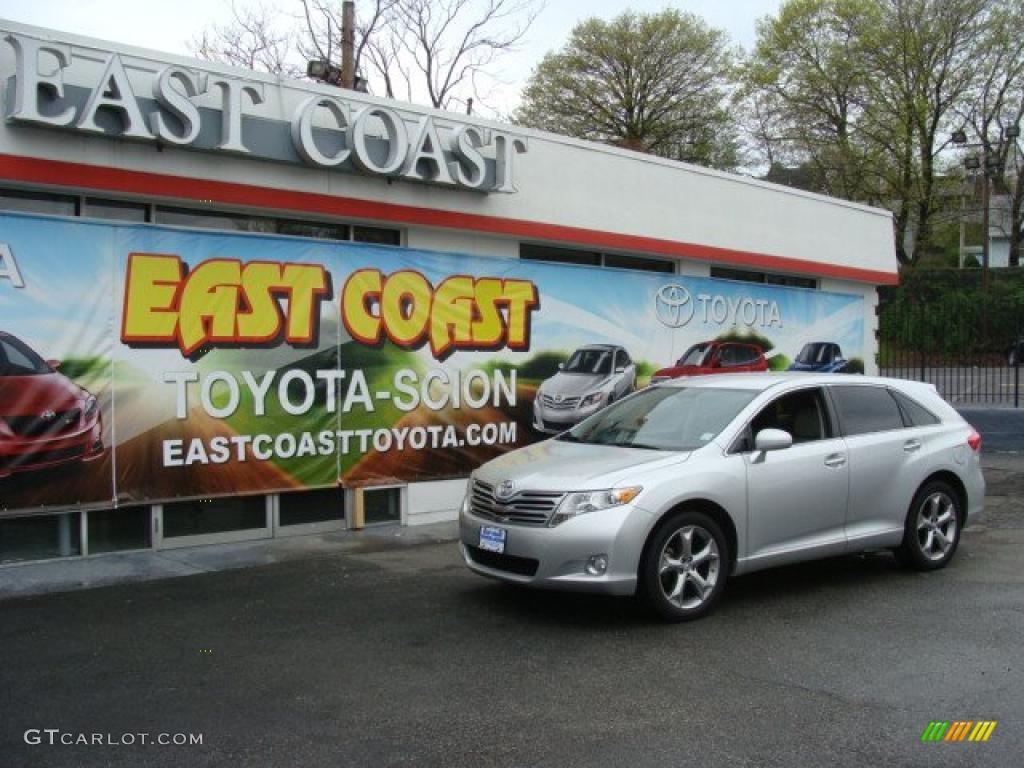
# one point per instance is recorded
(931, 534)
(684, 567)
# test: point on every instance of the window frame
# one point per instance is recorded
(831, 388)
(743, 442)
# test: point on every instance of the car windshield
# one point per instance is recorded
(694, 355)
(663, 418)
(814, 353)
(16, 359)
(589, 361)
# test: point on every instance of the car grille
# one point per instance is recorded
(557, 426)
(565, 404)
(524, 508)
(25, 460)
(38, 425)
(521, 566)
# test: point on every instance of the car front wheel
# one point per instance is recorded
(685, 566)
(932, 530)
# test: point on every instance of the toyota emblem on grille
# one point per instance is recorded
(506, 489)
(559, 398)
(48, 415)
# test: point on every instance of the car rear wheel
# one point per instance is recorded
(932, 531)
(685, 566)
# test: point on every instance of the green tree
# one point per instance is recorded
(805, 86)
(865, 93)
(655, 83)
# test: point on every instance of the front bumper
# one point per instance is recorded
(30, 454)
(554, 420)
(556, 558)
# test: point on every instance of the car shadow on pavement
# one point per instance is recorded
(810, 585)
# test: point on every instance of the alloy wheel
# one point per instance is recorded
(689, 567)
(936, 525)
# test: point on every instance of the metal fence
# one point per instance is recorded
(972, 355)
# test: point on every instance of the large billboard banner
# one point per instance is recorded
(187, 364)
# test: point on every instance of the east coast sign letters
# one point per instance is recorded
(325, 131)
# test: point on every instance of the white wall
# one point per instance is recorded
(434, 502)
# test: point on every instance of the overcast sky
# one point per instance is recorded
(168, 25)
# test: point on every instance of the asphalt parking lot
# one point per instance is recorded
(403, 658)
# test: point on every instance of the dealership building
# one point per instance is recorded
(119, 141)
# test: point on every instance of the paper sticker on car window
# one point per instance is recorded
(706, 436)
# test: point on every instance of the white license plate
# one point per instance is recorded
(492, 539)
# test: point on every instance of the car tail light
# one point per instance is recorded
(974, 440)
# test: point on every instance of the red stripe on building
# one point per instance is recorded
(97, 178)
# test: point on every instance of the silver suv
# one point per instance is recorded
(670, 491)
(593, 377)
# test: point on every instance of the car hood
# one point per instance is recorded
(27, 395)
(573, 384)
(558, 465)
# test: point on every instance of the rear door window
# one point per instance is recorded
(865, 409)
(916, 414)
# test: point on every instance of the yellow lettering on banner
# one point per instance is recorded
(362, 288)
(452, 315)
(307, 285)
(209, 304)
(521, 296)
(219, 302)
(405, 307)
(461, 313)
(263, 319)
(151, 287)
(489, 327)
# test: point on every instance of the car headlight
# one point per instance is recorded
(593, 399)
(91, 406)
(582, 502)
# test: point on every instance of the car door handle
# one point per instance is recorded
(912, 445)
(835, 460)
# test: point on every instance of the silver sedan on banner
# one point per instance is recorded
(672, 490)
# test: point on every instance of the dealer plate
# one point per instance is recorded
(492, 539)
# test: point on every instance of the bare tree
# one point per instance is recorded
(438, 51)
(255, 38)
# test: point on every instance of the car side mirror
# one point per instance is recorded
(55, 364)
(772, 440)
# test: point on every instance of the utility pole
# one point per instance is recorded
(348, 44)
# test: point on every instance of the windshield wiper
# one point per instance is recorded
(568, 437)
(644, 446)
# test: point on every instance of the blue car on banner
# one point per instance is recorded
(821, 357)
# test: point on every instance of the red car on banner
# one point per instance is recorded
(715, 357)
(45, 418)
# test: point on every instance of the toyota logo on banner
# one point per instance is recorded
(673, 305)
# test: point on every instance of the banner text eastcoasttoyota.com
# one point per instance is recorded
(145, 363)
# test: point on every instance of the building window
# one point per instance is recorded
(40, 538)
(115, 530)
(549, 253)
(205, 516)
(382, 505)
(119, 210)
(769, 278)
(311, 506)
(38, 202)
(531, 252)
(615, 261)
(378, 235)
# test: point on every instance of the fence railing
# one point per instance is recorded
(970, 360)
